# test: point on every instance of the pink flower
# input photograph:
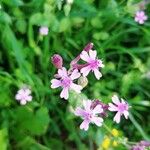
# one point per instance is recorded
(43, 30)
(93, 64)
(66, 82)
(140, 17)
(121, 107)
(23, 95)
(89, 115)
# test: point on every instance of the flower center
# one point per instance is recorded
(88, 116)
(122, 107)
(94, 64)
(66, 82)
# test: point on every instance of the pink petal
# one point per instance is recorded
(87, 105)
(62, 72)
(85, 71)
(126, 114)
(141, 21)
(29, 98)
(136, 19)
(115, 99)
(98, 75)
(23, 102)
(92, 54)
(117, 117)
(75, 74)
(80, 112)
(21, 91)
(97, 109)
(55, 83)
(145, 18)
(141, 13)
(84, 56)
(64, 93)
(97, 120)
(112, 107)
(85, 125)
(101, 64)
(76, 87)
(18, 97)
(27, 91)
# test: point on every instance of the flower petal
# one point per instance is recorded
(97, 120)
(62, 72)
(55, 83)
(76, 87)
(75, 74)
(29, 98)
(85, 125)
(64, 93)
(27, 91)
(115, 99)
(84, 56)
(23, 102)
(126, 114)
(93, 54)
(18, 97)
(87, 105)
(80, 112)
(85, 71)
(117, 117)
(98, 75)
(97, 109)
(112, 107)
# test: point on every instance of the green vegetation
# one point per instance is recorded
(47, 123)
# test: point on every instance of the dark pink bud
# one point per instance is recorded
(88, 47)
(57, 61)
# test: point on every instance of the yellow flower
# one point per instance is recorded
(115, 132)
(115, 143)
(106, 143)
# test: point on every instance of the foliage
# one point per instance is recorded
(47, 122)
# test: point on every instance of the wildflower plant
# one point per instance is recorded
(90, 111)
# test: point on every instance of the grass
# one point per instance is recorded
(46, 123)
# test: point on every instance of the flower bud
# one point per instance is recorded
(88, 47)
(57, 61)
(83, 81)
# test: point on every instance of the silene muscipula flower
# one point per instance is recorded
(65, 80)
(140, 17)
(121, 107)
(43, 30)
(24, 96)
(89, 114)
(93, 64)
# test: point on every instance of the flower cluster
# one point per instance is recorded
(93, 111)
(65, 78)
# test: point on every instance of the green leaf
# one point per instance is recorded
(64, 25)
(5, 18)
(34, 122)
(3, 139)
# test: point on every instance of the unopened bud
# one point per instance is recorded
(88, 47)
(83, 81)
(57, 61)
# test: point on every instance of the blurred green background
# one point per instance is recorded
(47, 123)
